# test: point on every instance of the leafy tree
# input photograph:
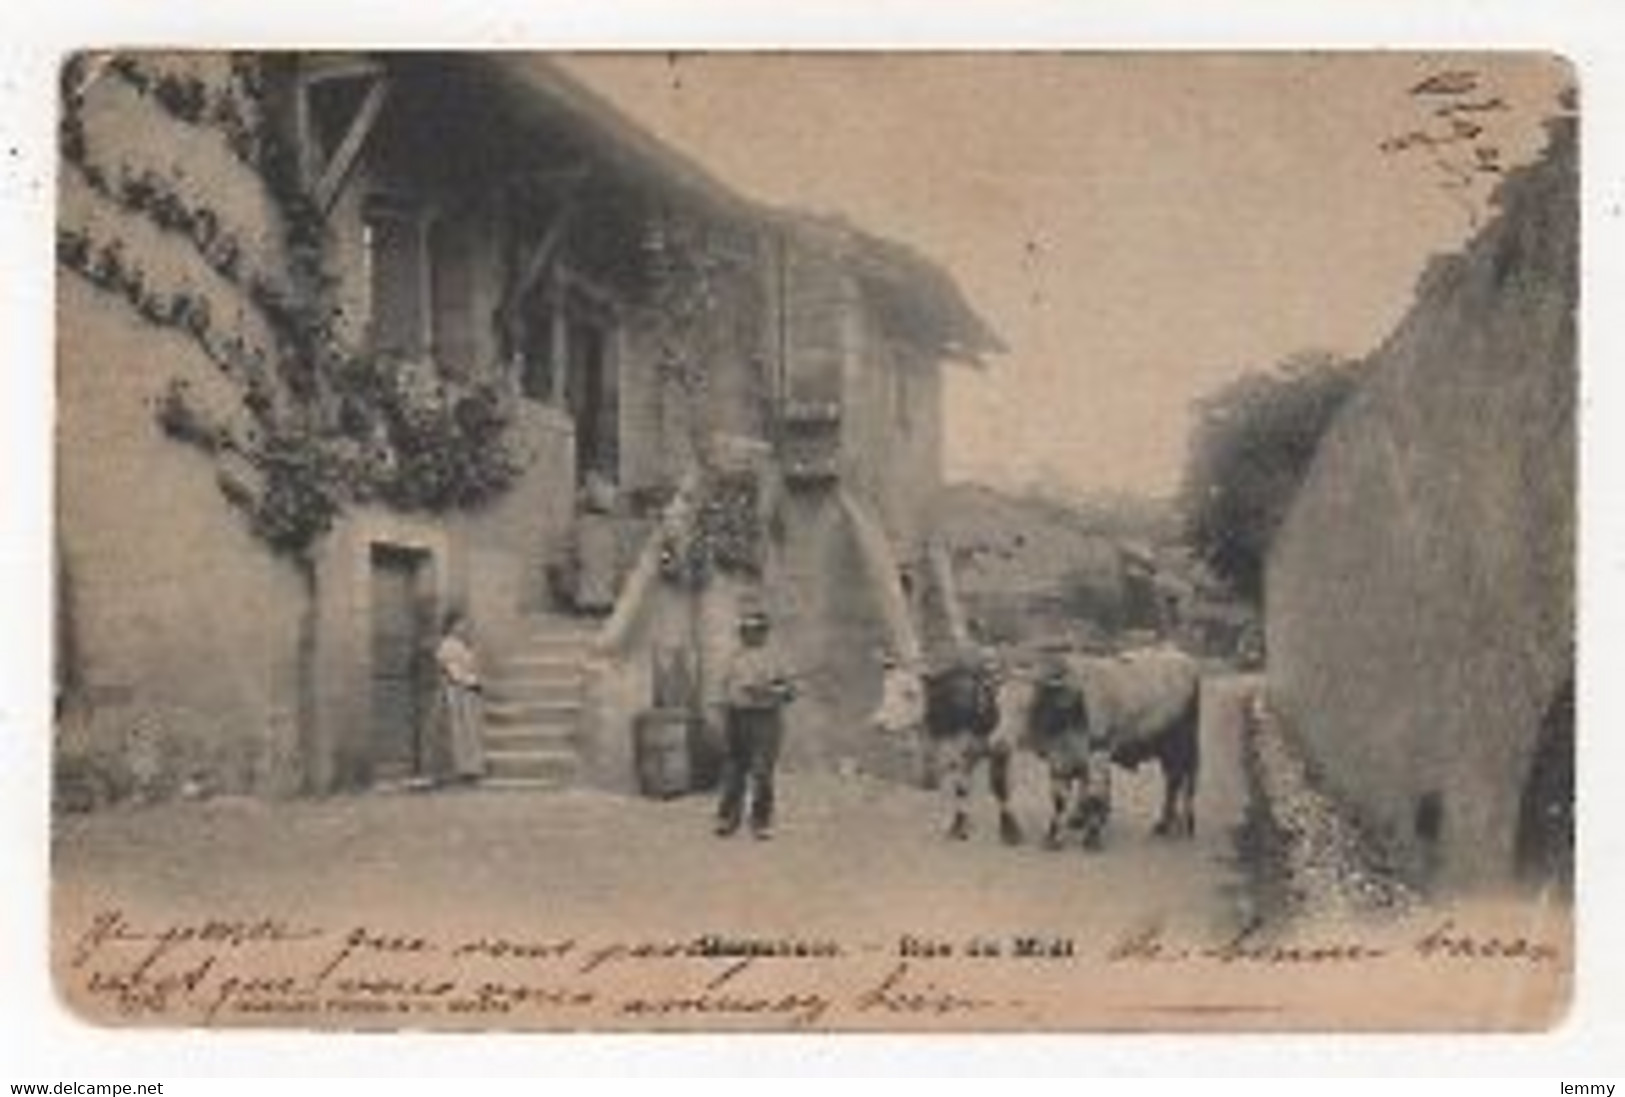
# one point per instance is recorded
(1251, 445)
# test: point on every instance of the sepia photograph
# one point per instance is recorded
(949, 541)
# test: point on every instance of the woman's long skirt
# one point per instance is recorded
(465, 721)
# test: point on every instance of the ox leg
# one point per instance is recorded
(1095, 803)
(1179, 758)
(998, 781)
(1060, 796)
(1095, 812)
(1185, 808)
(1194, 767)
(960, 761)
(1167, 823)
(1178, 804)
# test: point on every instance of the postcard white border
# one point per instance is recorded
(39, 1041)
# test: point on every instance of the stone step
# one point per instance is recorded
(527, 784)
(520, 735)
(534, 659)
(547, 764)
(533, 712)
(529, 664)
(543, 693)
(546, 662)
(534, 707)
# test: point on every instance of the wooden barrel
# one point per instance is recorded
(660, 749)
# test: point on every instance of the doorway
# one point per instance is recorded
(593, 397)
(403, 606)
(569, 347)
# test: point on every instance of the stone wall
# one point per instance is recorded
(893, 430)
(833, 628)
(201, 656)
(189, 636)
(510, 540)
(1420, 599)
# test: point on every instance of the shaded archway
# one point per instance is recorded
(1545, 841)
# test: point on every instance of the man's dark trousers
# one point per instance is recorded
(753, 736)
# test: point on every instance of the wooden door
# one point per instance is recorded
(401, 673)
(594, 398)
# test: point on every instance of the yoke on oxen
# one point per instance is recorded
(1080, 715)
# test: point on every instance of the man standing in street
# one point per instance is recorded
(756, 690)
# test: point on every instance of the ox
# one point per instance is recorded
(961, 716)
(1085, 713)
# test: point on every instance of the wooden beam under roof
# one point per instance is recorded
(343, 161)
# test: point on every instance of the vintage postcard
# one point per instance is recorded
(1026, 541)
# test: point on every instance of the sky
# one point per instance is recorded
(1138, 228)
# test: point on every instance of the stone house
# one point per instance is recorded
(350, 340)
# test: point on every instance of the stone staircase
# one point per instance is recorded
(533, 707)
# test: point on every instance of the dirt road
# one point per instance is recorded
(860, 865)
(847, 850)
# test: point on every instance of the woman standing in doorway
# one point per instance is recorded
(461, 700)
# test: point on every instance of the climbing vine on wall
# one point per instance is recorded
(430, 443)
(108, 266)
(328, 425)
(731, 523)
(727, 533)
(695, 270)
